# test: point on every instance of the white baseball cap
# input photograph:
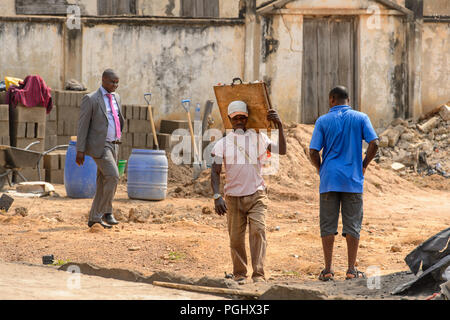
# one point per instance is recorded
(237, 108)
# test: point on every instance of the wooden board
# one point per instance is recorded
(254, 95)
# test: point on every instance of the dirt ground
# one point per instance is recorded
(185, 236)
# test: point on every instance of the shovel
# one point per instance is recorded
(186, 103)
(150, 113)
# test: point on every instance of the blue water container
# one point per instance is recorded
(80, 181)
(147, 174)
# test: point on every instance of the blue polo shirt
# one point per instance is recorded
(340, 133)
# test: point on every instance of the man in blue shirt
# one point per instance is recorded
(339, 135)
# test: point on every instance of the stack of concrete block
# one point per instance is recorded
(54, 163)
(137, 130)
(51, 129)
(167, 127)
(4, 124)
(28, 124)
(67, 113)
(3, 97)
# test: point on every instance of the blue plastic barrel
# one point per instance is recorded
(147, 174)
(80, 181)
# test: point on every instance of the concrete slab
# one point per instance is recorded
(31, 282)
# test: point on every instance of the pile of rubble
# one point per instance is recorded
(422, 146)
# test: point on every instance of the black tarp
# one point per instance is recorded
(433, 257)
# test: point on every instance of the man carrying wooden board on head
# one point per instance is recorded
(242, 152)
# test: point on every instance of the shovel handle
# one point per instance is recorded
(191, 131)
(155, 139)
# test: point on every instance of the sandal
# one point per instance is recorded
(354, 274)
(326, 276)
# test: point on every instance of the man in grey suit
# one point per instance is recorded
(99, 131)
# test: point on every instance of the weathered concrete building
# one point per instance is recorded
(393, 55)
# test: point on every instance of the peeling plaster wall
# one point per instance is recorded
(435, 65)
(32, 48)
(89, 7)
(281, 63)
(8, 7)
(329, 4)
(159, 8)
(162, 8)
(436, 7)
(382, 69)
(170, 61)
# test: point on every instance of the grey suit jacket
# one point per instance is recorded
(93, 124)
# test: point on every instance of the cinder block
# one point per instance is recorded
(52, 116)
(50, 141)
(60, 128)
(150, 141)
(3, 97)
(51, 128)
(70, 128)
(169, 126)
(20, 129)
(139, 140)
(31, 130)
(128, 140)
(139, 126)
(26, 114)
(40, 130)
(143, 114)
(4, 128)
(51, 161)
(68, 114)
(66, 98)
(164, 141)
(4, 112)
(76, 97)
(56, 97)
(62, 140)
(62, 159)
(5, 140)
(129, 111)
(54, 176)
(136, 111)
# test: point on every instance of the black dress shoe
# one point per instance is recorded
(104, 225)
(109, 219)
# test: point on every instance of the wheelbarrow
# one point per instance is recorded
(13, 159)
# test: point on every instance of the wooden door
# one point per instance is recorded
(328, 60)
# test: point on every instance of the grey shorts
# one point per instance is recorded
(351, 206)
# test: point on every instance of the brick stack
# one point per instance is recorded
(54, 163)
(67, 114)
(28, 126)
(167, 127)
(4, 124)
(51, 129)
(137, 131)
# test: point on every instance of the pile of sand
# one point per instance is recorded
(296, 179)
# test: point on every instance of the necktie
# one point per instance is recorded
(116, 117)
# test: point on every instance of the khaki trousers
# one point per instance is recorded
(107, 180)
(252, 210)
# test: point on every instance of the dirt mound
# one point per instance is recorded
(295, 180)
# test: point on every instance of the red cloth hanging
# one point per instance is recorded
(31, 92)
